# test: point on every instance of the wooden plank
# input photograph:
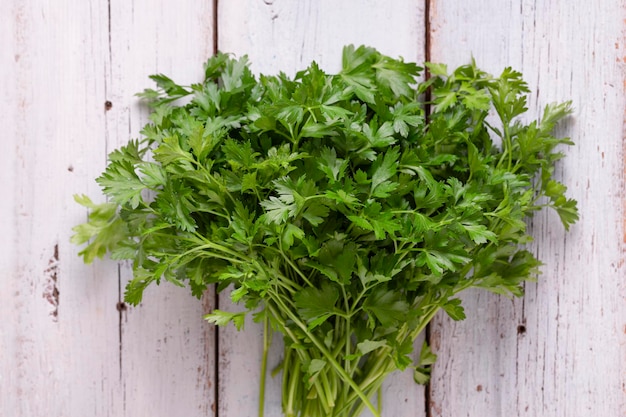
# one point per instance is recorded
(167, 351)
(280, 35)
(59, 332)
(286, 36)
(65, 348)
(560, 350)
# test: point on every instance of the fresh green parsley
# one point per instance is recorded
(334, 207)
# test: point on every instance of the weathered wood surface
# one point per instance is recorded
(561, 350)
(286, 36)
(69, 348)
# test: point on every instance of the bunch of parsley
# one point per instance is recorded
(344, 210)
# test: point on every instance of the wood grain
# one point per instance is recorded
(59, 332)
(286, 36)
(67, 346)
(166, 350)
(560, 350)
(68, 74)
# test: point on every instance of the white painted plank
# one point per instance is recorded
(239, 368)
(59, 334)
(560, 351)
(168, 355)
(286, 36)
(167, 351)
(60, 351)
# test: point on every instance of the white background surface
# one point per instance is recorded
(69, 348)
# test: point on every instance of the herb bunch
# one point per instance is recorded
(332, 207)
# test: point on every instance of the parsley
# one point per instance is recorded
(333, 207)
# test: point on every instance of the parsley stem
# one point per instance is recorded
(338, 368)
(266, 346)
(295, 268)
(194, 250)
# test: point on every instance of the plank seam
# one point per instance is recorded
(215, 27)
(216, 360)
(216, 298)
(120, 308)
(427, 97)
(109, 29)
(427, 37)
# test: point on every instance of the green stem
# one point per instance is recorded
(327, 355)
(266, 345)
(383, 363)
(292, 387)
(203, 248)
(296, 269)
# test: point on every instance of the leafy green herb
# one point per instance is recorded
(333, 207)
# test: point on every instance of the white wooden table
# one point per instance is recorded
(69, 70)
